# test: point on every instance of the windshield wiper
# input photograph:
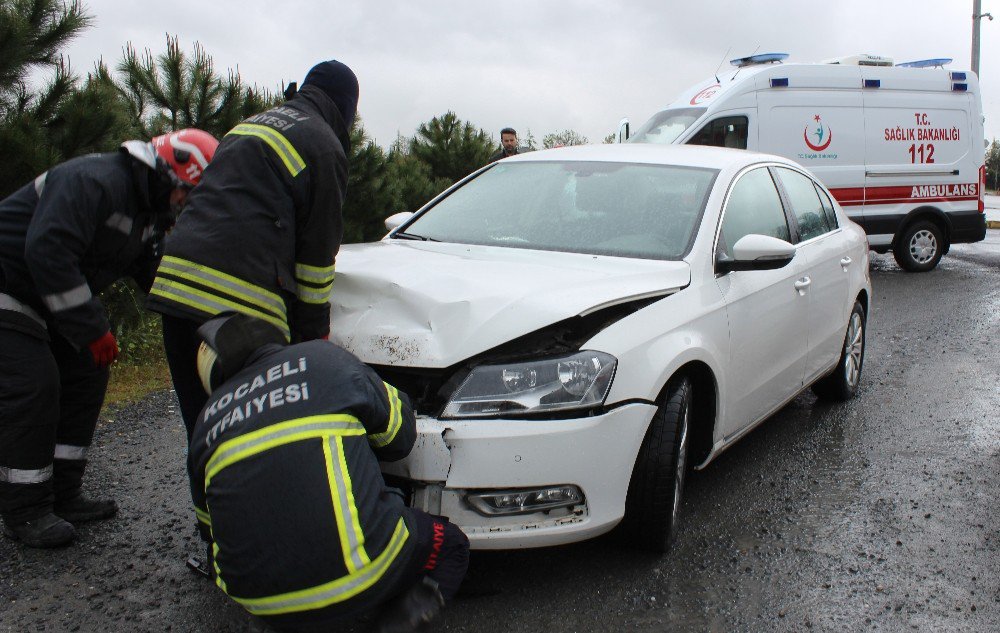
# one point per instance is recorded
(412, 236)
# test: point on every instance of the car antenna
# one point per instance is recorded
(751, 55)
(724, 56)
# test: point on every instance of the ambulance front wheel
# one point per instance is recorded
(919, 247)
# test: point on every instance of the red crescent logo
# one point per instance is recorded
(705, 94)
(816, 148)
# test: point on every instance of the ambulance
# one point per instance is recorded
(900, 146)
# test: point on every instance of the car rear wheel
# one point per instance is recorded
(657, 485)
(920, 247)
(842, 383)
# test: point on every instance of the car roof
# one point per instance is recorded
(652, 153)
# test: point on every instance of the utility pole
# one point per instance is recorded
(977, 16)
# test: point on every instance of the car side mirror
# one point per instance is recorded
(757, 252)
(623, 130)
(397, 219)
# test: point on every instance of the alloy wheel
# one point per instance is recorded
(923, 246)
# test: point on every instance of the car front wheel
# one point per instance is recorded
(842, 383)
(655, 491)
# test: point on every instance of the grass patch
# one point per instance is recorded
(131, 382)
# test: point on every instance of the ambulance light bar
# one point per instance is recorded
(959, 87)
(779, 82)
(958, 76)
(937, 62)
(873, 83)
(761, 58)
(863, 59)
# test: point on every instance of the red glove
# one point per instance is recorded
(104, 349)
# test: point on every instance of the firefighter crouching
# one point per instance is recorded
(64, 237)
(286, 483)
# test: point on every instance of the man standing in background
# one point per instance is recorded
(508, 145)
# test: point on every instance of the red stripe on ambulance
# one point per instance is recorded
(856, 196)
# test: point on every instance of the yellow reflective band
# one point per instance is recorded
(215, 563)
(218, 280)
(285, 150)
(352, 538)
(209, 303)
(261, 440)
(203, 516)
(308, 294)
(334, 591)
(395, 421)
(315, 274)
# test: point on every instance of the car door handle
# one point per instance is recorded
(802, 284)
(846, 262)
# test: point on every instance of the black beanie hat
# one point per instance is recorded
(339, 83)
(233, 337)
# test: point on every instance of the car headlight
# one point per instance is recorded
(577, 381)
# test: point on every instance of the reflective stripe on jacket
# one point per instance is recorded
(286, 481)
(75, 230)
(260, 233)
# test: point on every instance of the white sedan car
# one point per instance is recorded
(577, 327)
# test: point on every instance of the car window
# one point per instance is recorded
(753, 207)
(729, 131)
(809, 212)
(831, 215)
(601, 208)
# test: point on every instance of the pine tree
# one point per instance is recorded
(411, 181)
(370, 196)
(62, 119)
(451, 148)
(993, 166)
(172, 91)
(31, 34)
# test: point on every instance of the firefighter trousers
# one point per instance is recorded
(180, 345)
(50, 398)
(441, 553)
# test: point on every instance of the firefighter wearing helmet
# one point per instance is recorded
(65, 237)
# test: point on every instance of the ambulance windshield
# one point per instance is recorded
(664, 127)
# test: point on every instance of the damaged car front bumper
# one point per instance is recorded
(512, 483)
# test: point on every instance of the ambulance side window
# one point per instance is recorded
(809, 212)
(729, 131)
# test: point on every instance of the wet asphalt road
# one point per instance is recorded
(880, 514)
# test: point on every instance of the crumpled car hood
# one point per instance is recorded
(432, 304)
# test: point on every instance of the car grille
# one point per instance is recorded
(423, 386)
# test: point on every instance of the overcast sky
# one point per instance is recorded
(539, 65)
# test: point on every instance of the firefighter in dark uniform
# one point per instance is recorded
(261, 233)
(64, 237)
(286, 483)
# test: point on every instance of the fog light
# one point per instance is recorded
(524, 501)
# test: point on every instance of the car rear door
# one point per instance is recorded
(826, 250)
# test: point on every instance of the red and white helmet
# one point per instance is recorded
(187, 152)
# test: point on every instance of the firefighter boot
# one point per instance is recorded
(82, 508)
(413, 609)
(45, 531)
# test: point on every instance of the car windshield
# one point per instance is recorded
(664, 127)
(618, 209)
